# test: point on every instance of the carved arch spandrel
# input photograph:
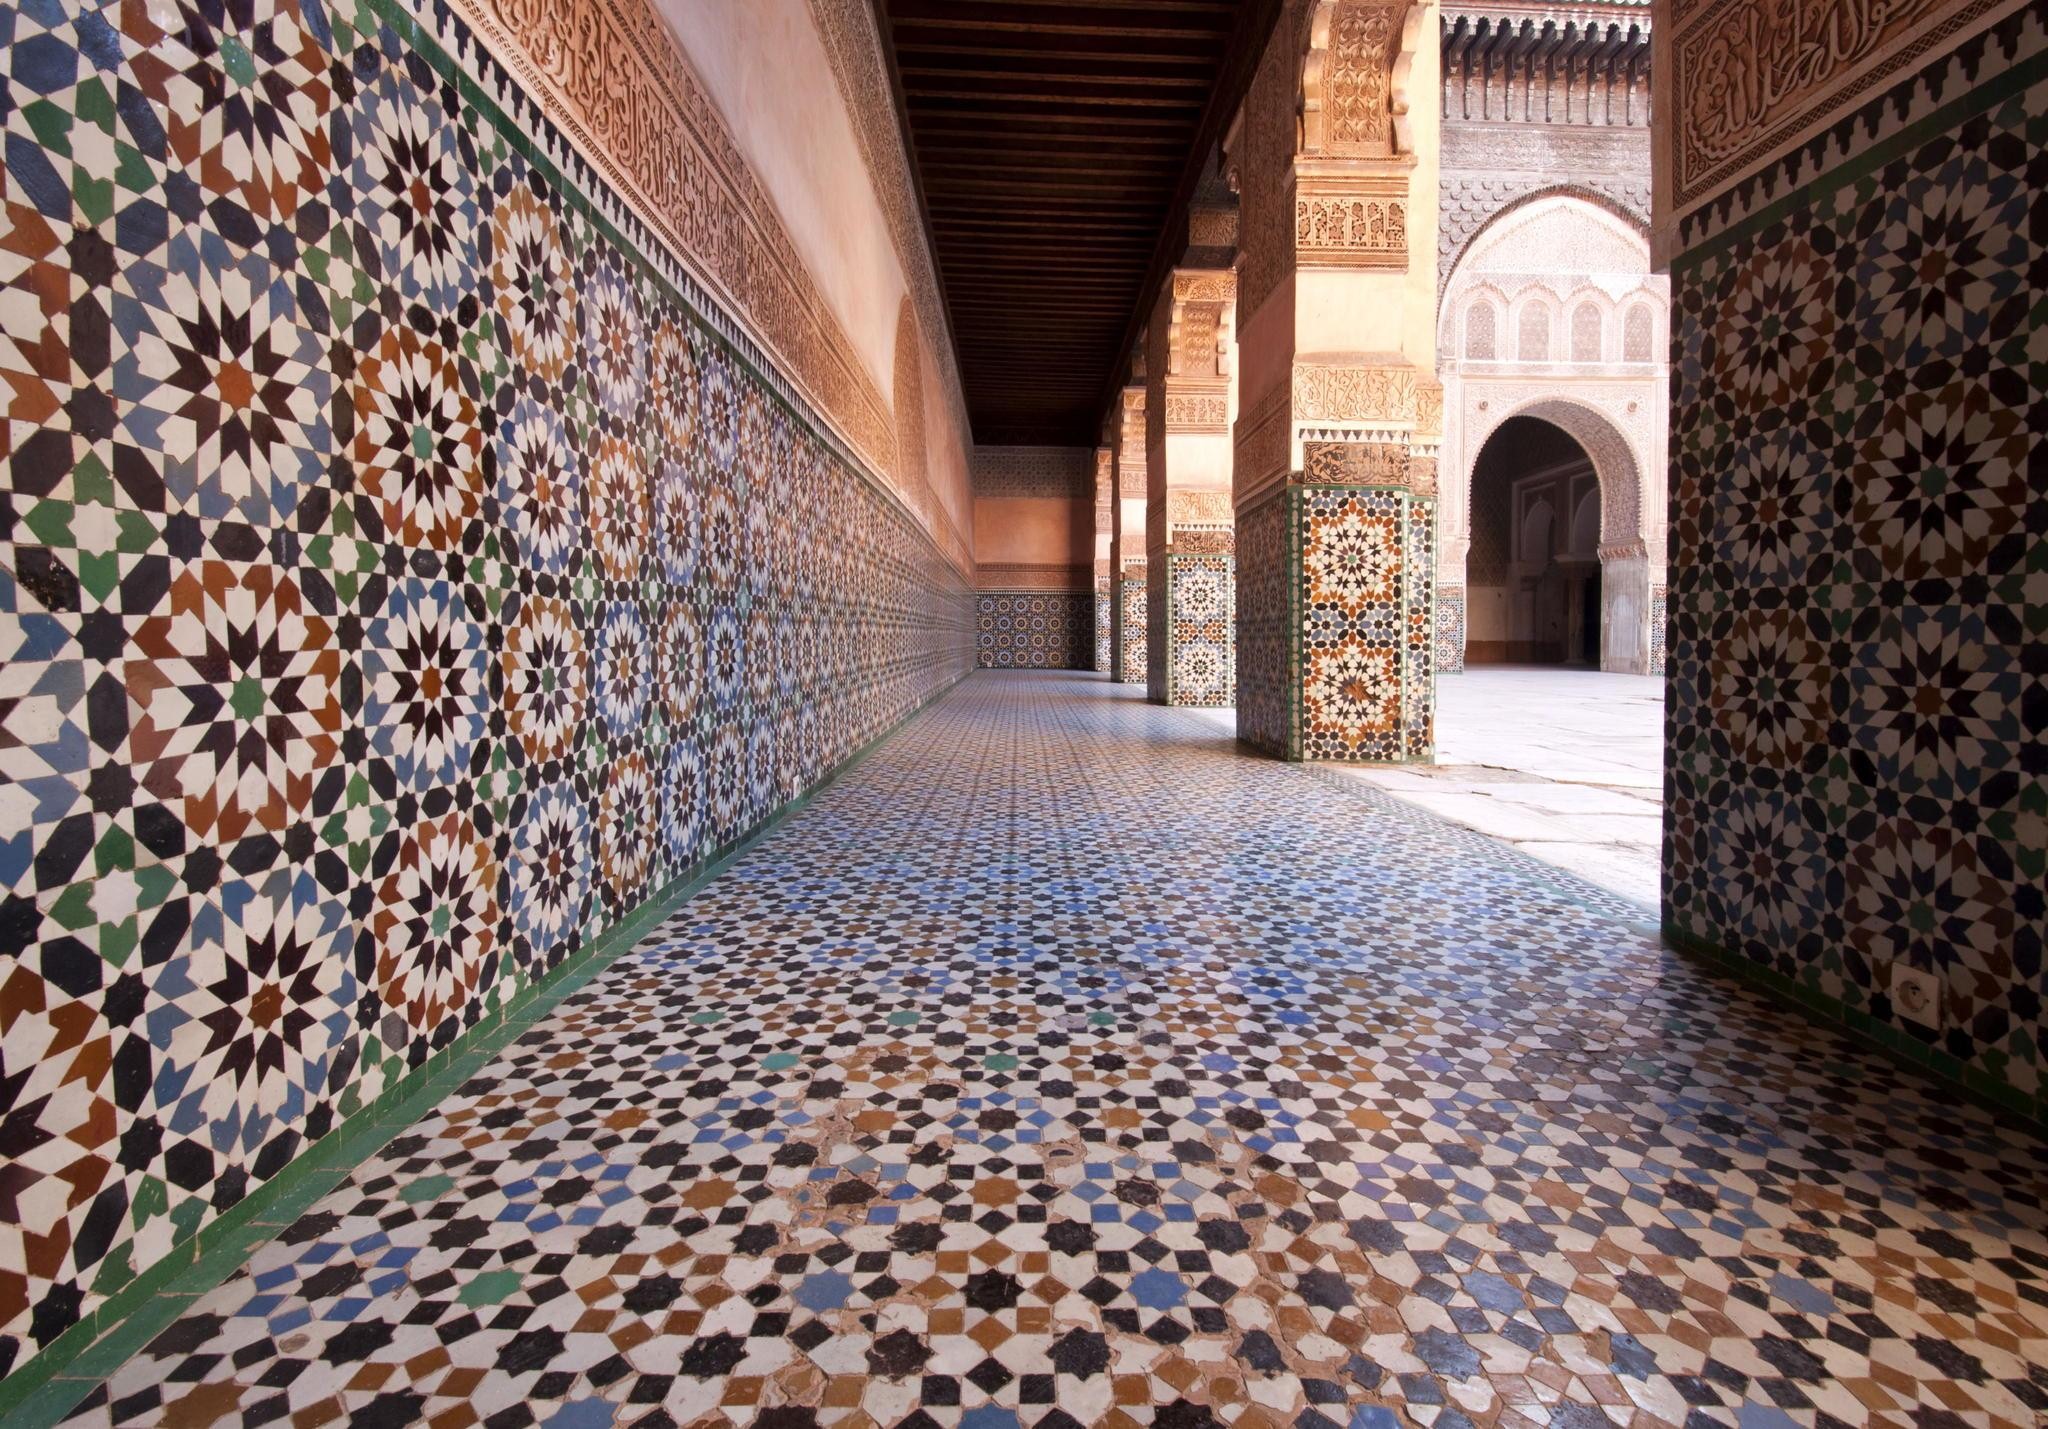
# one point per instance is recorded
(1613, 454)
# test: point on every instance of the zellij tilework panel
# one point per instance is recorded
(1034, 630)
(398, 582)
(1367, 634)
(1265, 653)
(1856, 775)
(1103, 632)
(1131, 644)
(1201, 600)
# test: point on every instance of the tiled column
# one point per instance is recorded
(1191, 591)
(1341, 415)
(1105, 559)
(1128, 615)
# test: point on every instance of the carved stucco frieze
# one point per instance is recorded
(1352, 222)
(1021, 576)
(1197, 411)
(1261, 452)
(1186, 507)
(1355, 463)
(1333, 392)
(854, 49)
(1065, 472)
(1751, 76)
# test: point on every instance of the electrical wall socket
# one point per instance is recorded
(1916, 993)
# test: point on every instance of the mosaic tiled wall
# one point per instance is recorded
(1130, 632)
(399, 581)
(1020, 630)
(1265, 639)
(1201, 600)
(1103, 631)
(1450, 630)
(1158, 651)
(1857, 640)
(1366, 597)
(1657, 612)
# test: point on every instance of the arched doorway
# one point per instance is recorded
(1548, 345)
(1533, 588)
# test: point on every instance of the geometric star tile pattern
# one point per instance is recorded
(1030, 631)
(951, 1104)
(389, 599)
(1856, 751)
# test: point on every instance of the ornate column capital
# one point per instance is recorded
(1202, 310)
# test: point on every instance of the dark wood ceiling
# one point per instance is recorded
(1055, 141)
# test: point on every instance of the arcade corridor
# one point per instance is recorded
(954, 1096)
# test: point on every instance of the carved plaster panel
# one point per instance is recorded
(1186, 507)
(1355, 393)
(1752, 76)
(1352, 222)
(1262, 449)
(1355, 463)
(1067, 472)
(1197, 410)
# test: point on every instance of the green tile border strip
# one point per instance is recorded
(49, 1384)
(1970, 1083)
(1979, 97)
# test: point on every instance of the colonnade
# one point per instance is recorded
(1266, 484)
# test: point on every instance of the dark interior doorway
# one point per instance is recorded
(1532, 576)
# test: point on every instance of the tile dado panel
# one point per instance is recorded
(1103, 630)
(1349, 625)
(1265, 618)
(399, 581)
(1855, 749)
(1201, 615)
(1035, 630)
(1131, 641)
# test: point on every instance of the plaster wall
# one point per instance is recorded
(1034, 531)
(767, 70)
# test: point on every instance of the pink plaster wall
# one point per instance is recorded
(1034, 530)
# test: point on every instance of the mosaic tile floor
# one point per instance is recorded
(1063, 1066)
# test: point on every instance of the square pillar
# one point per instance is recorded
(1105, 559)
(1191, 591)
(1128, 614)
(1338, 639)
(1341, 416)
